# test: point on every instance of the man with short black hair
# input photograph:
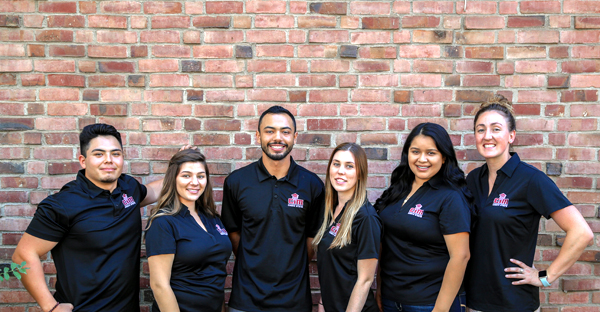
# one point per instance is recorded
(93, 229)
(271, 210)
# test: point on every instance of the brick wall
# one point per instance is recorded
(174, 73)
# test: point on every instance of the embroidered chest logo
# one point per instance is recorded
(221, 231)
(128, 201)
(416, 211)
(295, 201)
(334, 229)
(501, 201)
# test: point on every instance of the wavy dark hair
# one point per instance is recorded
(168, 201)
(402, 177)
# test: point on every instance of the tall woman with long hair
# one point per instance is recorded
(426, 219)
(186, 243)
(510, 197)
(348, 241)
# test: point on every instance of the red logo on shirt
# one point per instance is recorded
(416, 211)
(295, 201)
(221, 231)
(334, 229)
(501, 201)
(128, 201)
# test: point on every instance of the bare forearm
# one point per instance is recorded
(34, 281)
(359, 295)
(453, 277)
(575, 243)
(165, 298)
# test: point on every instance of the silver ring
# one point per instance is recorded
(522, 270)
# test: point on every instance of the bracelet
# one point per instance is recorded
(321, 303)
(54, 307)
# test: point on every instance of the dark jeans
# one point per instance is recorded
(459, 305)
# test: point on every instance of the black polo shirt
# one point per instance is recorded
(505, 227)
(199, 267)
(414, 254)
(274, 218)
(338, 266)
(97, 257)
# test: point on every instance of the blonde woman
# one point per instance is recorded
(186, 243)
(348, 241)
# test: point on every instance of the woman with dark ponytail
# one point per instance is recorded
(426, 218)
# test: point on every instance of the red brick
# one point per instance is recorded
(473, 67)
(107, 51)
(159, 22)
(526, 52)
(579, 96)
(328, 96)
(329, 66)
(314, 22)
(481, 80)
(167, 36)
(378, 52)
(421, 51)
(120, 7)
(160, 7)
(66, 80)
(223, 66)
(537, 96)
(54, 35)
(35, 21)
(538, 36)
(370, 8)
(222, 125)
(333, 8)
(212, 81)
(579, 36)
(275, 51)
(535, 66)
(371, 66)
(484, 52)
(32, 80)
(267, 95)
(116, 67)
(526, 21)
(163, 95)
(371, 37)
(432, 36)
(223, 36)
(57, 7)
(583, 66)
(265, 6)
(423, 66)
(87, 7)
(275, 80)
(8, 79)
(158, 65)
(433, 7)
(211, 21)
(225, 96)
(425, 80)
(120, 95)
(169, 80)
(59, 94)
(66, 21)
(585, 81)
(67, 50)
(582, 22)
(420, 21)
(586, 52)
(108, 110)
(525, 81)
(17, 6)
(528, 7)
(475, 37)
(316, 80)
(328, 36)
(366, 95)
(213, 51)
(17, 35)
(484, 22)
(379, 80)
(15, 66)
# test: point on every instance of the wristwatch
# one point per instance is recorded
(544, 278)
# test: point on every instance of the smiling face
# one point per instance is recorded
(493, 137)
(276, 136)
(424, 159)
(343, 175)
(103, 162)
(191, 182)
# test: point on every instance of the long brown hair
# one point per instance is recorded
(168, 202)
(344, 235)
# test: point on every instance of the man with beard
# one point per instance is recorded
(93, 229)
(271, 210)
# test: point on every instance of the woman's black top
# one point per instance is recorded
(505, 226)
(414, 254)
(199, 267)
(338, 266)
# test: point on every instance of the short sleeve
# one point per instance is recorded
(455, 215)
(160, 237)
(50, 221)
(231, 216)
(368, 235)
(544, 196)
(314, 215)
(143, 191)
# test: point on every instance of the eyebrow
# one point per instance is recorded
(271, 127)
(348, 162)
(186, 171)
(493, 123)
(101, 150)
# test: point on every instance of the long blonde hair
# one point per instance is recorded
(168, 201)
(344, 234)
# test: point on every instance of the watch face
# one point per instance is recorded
(542, 273)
